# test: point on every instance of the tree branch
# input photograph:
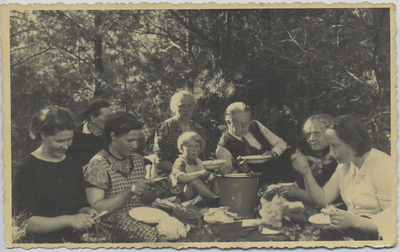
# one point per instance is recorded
(36, 54)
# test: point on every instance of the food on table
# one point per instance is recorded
(271, 211)
(273, 190)
(329, 209)
(167, 203)
(148, 214)
(320, 219)
(172, 228)
(219, 215)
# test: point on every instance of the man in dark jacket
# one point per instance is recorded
(87, 137)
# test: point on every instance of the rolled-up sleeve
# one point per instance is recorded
(386, 223)
(223, 153)
(385, 220)
(278, 145)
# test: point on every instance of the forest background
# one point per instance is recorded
(287, 64)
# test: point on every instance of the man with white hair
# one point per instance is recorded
(245, 136)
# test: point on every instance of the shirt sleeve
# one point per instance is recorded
(278, 145)
(331, 188)
(95, 173)
(82, 198)
(223, 153)
(177, 169)
(386, 223)
(161, 145)
(385, 220)
(23, 192)
(384, 170)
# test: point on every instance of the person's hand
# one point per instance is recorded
(315, 162)
(342, 219)
(139, 187)
(242, 165)
(289, 191)
(88, 210)
(81, 221)
(272, 154)
(300, 162)
(204, 174)
(211, 178)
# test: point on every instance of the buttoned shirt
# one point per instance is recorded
(366, 190)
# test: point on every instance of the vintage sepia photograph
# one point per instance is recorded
(199, 126)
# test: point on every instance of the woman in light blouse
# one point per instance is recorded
(362, 179)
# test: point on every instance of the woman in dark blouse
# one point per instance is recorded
(167, 132)
(49, 187)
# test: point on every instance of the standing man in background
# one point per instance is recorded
(87, 137)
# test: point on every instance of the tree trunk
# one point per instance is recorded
(98, 53)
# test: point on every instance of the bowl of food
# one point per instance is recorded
(256, 159)
(212, 165)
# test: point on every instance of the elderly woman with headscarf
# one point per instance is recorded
(167, 132)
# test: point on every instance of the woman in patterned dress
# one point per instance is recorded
(167, 132)
(115, 180)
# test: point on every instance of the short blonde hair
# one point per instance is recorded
(190, 135)
(235, 107)
(177, 97)
(324, 119)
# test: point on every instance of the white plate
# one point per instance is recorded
(213, 164)
(320, 219)
(256, 159)
(148, 214)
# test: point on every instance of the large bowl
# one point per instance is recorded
(213, 165)
(256, 159)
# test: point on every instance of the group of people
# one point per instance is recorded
(76, 173)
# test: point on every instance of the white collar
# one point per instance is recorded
(85, 129)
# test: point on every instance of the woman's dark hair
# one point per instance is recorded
(94, 107)
(50, 120)
(120, 123)
(350, 129)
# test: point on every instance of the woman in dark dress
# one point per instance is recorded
(49, 187)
